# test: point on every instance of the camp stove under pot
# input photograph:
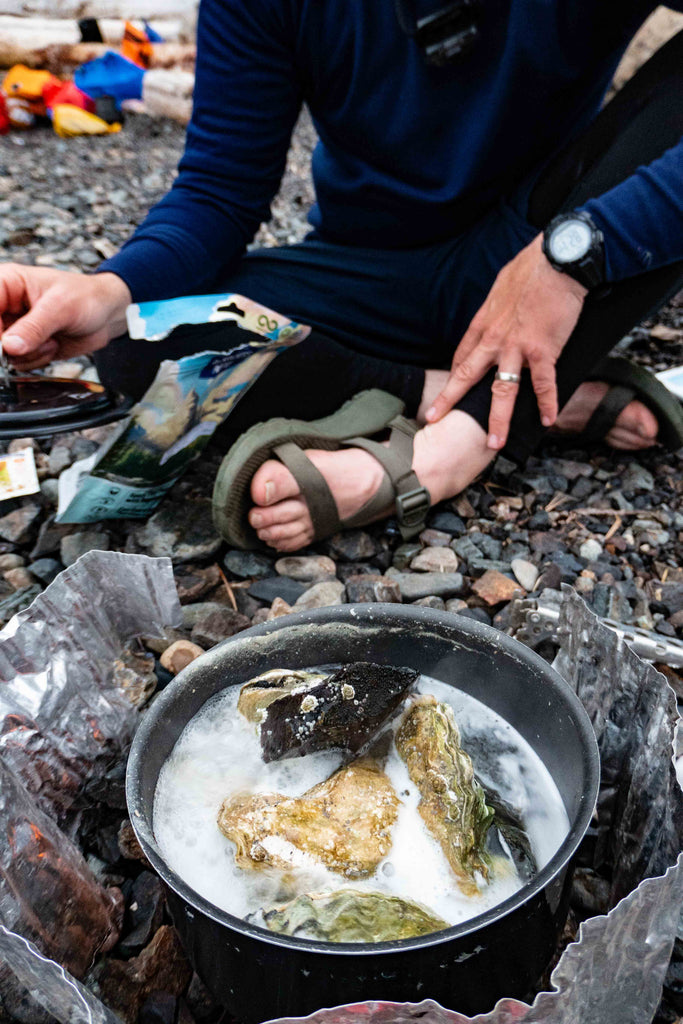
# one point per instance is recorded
(258, 975)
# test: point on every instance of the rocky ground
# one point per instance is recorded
(608, 523)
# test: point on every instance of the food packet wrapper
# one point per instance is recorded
(187, 401)
(18, 474)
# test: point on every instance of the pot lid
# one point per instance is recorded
(38, 406)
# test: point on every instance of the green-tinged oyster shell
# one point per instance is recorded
(344, 823)
(256, 695)
(350, 916)
(453, 804)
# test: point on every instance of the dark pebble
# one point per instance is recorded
(46, 569)
(248, 565)
(277, 586)
(448, 522)
(144, 914)
(478, 614)
(539, 520)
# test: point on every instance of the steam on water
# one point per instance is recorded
(219, 755)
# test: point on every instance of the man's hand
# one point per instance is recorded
(47, 314)
(526, 320)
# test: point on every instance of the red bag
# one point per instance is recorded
(67, 92)
(4, 119)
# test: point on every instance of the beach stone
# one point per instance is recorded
(179, 655)
(128, 844)
(19, 577)
(260, 616)
(436, 559)
(456, 605)
(465, 548)
(19, 525)
(432, 538)
(49, 491)
(144, 914)
(181, 530)
(46, 569)
(431, 602)
(538, 520)
(218, 625)
(478, 614)
(478, 566)
(59, 458)
(321, 595)
(545, 543)
(448, 522)
(591, 550)
(352, 545)
(526, 573)
(277, 586)
(404, 554)
(76, 544)
(11, 561)
(193, 584)
(670, 595)
(18, 444)
(277, 609)
(306, 568)
(248, 564)
(413, 586)
(637, 478)
(50, 537)
(494, 588)
(366, 588)
(345, 570)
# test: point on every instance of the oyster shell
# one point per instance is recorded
(350, 916)
(453, 804)
(344, 823)
(256, 695)
(346, 709)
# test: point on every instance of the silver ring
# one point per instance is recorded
(514, 378)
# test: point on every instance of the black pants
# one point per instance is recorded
(380, 317)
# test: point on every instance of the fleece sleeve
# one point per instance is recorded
(246, 100)
(642, 217)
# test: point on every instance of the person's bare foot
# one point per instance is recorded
(447, 456)
(636, 426)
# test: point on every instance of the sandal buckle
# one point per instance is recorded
(412, 508)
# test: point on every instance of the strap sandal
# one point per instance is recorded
(630, 381)
(368, 414)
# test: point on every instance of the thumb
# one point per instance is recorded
(32, 330)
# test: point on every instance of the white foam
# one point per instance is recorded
(218, 755)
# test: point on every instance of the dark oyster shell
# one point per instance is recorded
(344, 710)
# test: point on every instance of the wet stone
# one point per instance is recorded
(448, 522)
(306, 568)
(76, 544)
(46, 569)
(494, 588)
(193, 584)
(432, 538)
(218, 625)
(431, 602)
(321, 595)
(277, 586)
(144, 915)
(413, 586)
(435, 559)
(352, 545)
(248, 564)
(367, 588)
(19, 525)
(180, 530)
(404, 554)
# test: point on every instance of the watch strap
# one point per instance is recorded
(589, 270)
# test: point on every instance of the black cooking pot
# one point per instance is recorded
(258, 975)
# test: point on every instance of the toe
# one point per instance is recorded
(262, 517)
(273, 482)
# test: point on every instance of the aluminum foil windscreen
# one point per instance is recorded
(612, 975)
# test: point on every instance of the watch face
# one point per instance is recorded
(570, 241)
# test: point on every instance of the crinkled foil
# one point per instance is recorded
(613, 974)
(63, 723)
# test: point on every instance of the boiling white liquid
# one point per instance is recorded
(219, 754)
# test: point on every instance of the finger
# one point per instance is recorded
(45, 354)
(469, 340)
(27, 334)
(461, 379)
(544, 380)
(503, 397)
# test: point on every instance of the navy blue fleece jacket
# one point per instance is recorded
(408, 154)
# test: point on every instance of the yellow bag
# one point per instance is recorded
(69, 120)
(26, 84)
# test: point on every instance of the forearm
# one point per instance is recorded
(642, 218)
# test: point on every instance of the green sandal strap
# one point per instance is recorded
(400, 486)
(606, 413)
(313, 486)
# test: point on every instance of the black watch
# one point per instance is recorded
(575, 246)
